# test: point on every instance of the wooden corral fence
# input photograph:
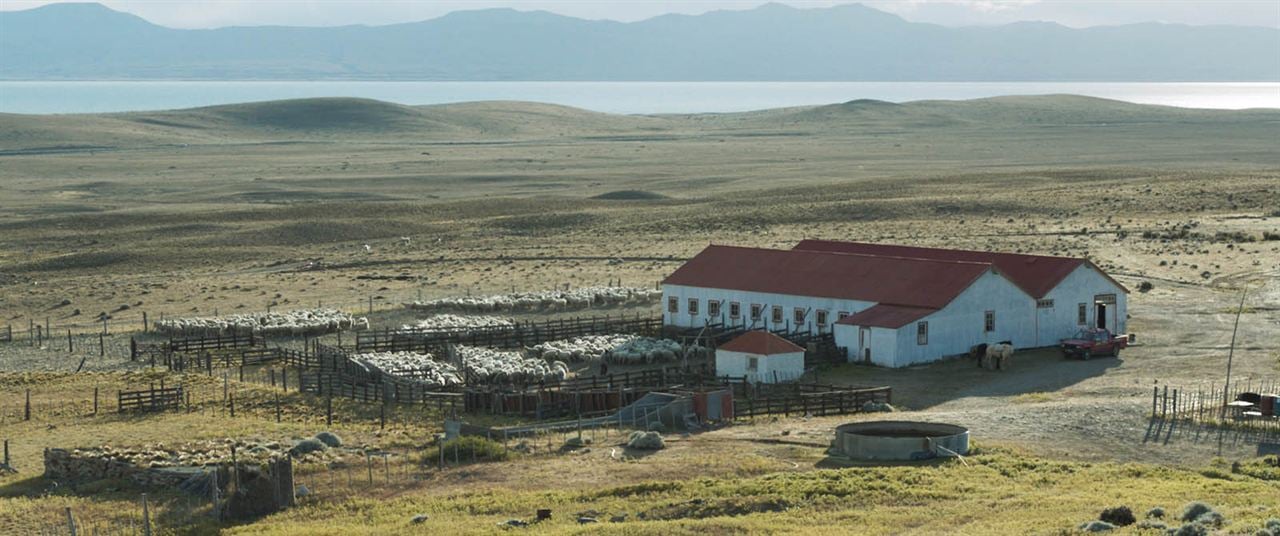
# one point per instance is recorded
(214, 342)
(1249, 405)
(229, 358)
(577, 396)
(389, 392)
(150, 399)
(522, 334)
(806, 399)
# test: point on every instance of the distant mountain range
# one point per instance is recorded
(772, 42)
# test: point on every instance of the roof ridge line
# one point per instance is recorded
(850, 254)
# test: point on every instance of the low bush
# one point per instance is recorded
(466, 448)
(330, 439)
(307, 446)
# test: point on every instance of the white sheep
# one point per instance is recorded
(550, 300)
(276, 323)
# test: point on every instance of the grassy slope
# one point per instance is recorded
(996, 490)
(324, 119)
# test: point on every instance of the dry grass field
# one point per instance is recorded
(238, 208)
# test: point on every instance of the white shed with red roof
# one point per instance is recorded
(760, 357)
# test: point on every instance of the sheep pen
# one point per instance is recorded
(479, 366)
(461, 324)
(547, 300)
(486, 365)
(613, 349)
(301, 322)
(418, 367)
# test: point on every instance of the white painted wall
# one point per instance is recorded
(787, 367)
(882, 343)
(955, 328)
(961, 324)
(1081, 286)
(746, 298)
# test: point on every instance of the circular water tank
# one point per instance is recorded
(900, 440)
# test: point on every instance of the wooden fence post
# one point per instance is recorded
(26, 409)
(146, 516)
(71, 522)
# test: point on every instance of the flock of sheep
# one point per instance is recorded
(486, 365)
(284, 323)
(461, 324)
(613, 349)
(424, 366)
(479, 366)
(546, 300)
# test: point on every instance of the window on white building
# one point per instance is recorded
(1044, 304)
(757, 311)
(989, 321)
(820, 317)
(673, 304)
(922, 333)
(735, 309)
(693, 306)
(1082, 314)
(841, 315)
(777, 314)
(753, 364)
(713, 308)
(797, 315)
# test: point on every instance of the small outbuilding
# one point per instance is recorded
(760, 357)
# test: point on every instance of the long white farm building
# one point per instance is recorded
(893, 305)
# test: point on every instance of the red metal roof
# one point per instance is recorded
(760, 343)
(886, 316)
(1035, 274)
(880, 279)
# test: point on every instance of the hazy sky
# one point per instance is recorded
(215, 13)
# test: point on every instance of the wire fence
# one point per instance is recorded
(1249, 406)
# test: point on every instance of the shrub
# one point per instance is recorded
(307, 446)
(1193, 510)
(1190, 529)
(1155, 513)
(329, 438)
(1269, 236)
(1145, 286)
(646, 441)
(1097, 526)
(1148, 524)
(467, 448)
(1120, 516)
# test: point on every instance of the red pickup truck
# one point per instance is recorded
(1089, 342)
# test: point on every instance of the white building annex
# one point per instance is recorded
(895, 306)
(760, 357)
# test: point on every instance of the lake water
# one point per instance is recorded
(614, 97)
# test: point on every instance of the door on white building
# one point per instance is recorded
(1103, 313)
(864, 344)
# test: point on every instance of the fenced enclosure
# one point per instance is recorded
(807, 399)
(514, 336)
(151, 399)
(1249, 406)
